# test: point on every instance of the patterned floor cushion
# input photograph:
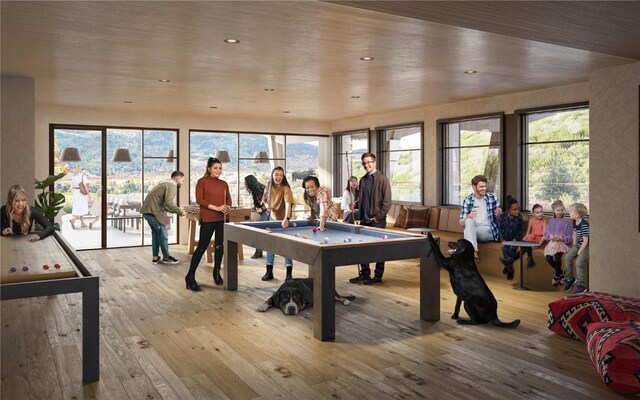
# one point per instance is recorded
(570, 316)
(614, 348)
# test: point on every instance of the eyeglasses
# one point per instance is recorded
(368, 162)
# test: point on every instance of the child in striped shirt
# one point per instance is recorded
(578, 256)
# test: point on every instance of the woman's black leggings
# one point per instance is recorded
(207, 229)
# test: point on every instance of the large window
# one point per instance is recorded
(255, 154)
(120, 165)
(556, 156)
(401, 161)
(470, 147)
(348, 148)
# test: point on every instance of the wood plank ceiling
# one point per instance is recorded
(103, 54)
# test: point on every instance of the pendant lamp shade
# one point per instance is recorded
(70, 154)
(260, 157)
(169, 157)
(121, 155)
(222, 156)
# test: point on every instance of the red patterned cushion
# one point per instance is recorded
(571, 315)
(614, 348)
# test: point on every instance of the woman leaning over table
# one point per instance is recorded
(319, 201)
(18, 217)
(212, 194)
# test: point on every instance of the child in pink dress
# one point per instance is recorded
(535, 231)
(559, 233)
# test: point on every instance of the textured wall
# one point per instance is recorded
(17, 134)
(614, 151)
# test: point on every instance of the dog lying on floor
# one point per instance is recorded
(469, 287)
(295, 295)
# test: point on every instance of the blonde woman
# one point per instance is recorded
(18, 217)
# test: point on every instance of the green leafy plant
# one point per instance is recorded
(48, 202)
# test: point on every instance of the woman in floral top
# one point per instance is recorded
(317, 198)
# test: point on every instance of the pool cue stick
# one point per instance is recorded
(225, 203)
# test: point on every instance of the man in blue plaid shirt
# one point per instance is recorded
(479, 215)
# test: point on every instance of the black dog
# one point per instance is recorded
(468, 285)
(295, 295)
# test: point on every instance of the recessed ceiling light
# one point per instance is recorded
(286, 112)
(233, 41)
(127, 101)
(164, 80)
(269, 90)
(213, 107)
(355, 97)
(470, 71)
(367, 58)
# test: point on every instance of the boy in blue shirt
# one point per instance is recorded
(580, 250)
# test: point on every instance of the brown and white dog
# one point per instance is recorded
(295, 295)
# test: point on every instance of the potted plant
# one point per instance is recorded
(48, 202)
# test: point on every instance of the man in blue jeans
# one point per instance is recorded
(158, 202)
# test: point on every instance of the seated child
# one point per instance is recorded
(535, 231)
(559, 233)
(510, 226)
(579, 253)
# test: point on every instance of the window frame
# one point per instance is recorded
(523, 142)
(443, 148)
(339, 156)
(382, 166)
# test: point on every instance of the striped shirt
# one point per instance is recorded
(581, 230)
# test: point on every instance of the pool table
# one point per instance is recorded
(341, 244)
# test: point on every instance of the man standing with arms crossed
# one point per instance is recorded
(154, 209)
(479, 215)
(374, 203)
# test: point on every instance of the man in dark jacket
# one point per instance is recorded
(374, 204)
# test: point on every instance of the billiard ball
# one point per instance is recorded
(346, 240)
(326, 239)
(298, 234)
(385, 237)
(268, 229)
(305, 237)
(295, 225)
(315, 230)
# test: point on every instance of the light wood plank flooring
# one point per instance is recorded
(161, 341)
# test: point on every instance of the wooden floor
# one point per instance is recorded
(161, 341)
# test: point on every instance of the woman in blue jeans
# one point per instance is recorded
(278, 198)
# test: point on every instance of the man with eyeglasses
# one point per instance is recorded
(374, 203)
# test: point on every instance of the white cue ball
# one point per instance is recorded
(295, 225)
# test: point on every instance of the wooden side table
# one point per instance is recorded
(193, 213)
(522, 245)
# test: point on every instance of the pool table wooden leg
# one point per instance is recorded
(324, 309)
(230, 270)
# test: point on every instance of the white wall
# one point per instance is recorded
(46, 115)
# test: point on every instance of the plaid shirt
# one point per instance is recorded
(492, 204)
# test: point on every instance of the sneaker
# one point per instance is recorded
(531, 263)
(360, 279)
(505, 270)
(170, 260)
(557, 280)
(376, 280)
(580, 289)
(156, 260)
(568, 285)
(510, 273)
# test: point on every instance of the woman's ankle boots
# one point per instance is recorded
(216, 276)
(269, 274)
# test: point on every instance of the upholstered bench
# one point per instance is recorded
(570, 316)
(614, 348)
